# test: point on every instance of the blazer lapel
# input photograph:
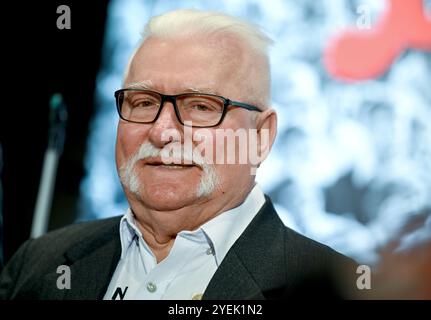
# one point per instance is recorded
(92, 273)
(92, 263)
(232, 281)
(252, 268)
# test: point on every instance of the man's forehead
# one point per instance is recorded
(217, 41)
(220, 65)
(222, 51)
(183, 66)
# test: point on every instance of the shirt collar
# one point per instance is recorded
(129, 231)
(220, 232)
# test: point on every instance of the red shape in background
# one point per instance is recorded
(365, 54)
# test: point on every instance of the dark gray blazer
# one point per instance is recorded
(268, 261)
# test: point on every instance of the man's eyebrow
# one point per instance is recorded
(146, 84)
(200, 90)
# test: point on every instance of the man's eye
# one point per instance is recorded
(143, 104)
(202, 107)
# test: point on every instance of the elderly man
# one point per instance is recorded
(198, 225)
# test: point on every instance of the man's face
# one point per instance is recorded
(172, 66)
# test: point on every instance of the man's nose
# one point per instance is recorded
(166, 128)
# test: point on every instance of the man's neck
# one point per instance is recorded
(160, 228)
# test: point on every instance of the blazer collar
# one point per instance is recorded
(92, 263)
(251, 269)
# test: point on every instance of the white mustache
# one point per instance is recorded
(129, 177)
(148, 150)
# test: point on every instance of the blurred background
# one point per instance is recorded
(351, 83)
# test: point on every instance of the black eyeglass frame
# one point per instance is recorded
(173, 99)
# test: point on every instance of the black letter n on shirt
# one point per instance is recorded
(118, 292)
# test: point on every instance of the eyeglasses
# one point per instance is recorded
(200, 109)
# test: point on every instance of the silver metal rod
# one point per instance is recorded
(44, 197)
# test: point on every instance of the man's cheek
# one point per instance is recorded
(204, 144)
(130, 138)
(122, 151)
(228, 176)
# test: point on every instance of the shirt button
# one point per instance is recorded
(151, 287)
(210, 251)
(197, 296)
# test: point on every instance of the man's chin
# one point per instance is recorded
(168, 197)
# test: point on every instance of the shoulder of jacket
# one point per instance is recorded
(61, 239)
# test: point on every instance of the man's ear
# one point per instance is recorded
(266, 125)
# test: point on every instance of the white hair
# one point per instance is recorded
(194, 22)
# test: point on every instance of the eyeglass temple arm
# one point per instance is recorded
(243, 105)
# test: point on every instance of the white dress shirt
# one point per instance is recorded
(192, 261)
